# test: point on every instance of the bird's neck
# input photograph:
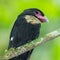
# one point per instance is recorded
(31, 19)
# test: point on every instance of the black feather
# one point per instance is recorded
(22, 33)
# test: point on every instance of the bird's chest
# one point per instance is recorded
(30, 32)
(26, 32)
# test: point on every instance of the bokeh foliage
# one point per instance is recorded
(10, 9)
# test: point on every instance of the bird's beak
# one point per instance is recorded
(43, 19)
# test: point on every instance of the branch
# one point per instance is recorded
(22, 49)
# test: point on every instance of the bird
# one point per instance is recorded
(26, 28)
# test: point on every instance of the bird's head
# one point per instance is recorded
(36, 13)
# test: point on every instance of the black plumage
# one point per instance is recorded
(24, 32)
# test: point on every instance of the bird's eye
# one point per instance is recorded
(37, 12)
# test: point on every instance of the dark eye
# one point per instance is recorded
(37, 12)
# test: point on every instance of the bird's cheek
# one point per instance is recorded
(32, 20)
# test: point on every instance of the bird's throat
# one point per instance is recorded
(32, 19)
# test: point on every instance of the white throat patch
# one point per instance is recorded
(31, 19)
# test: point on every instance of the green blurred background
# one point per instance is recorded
(10, 9)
